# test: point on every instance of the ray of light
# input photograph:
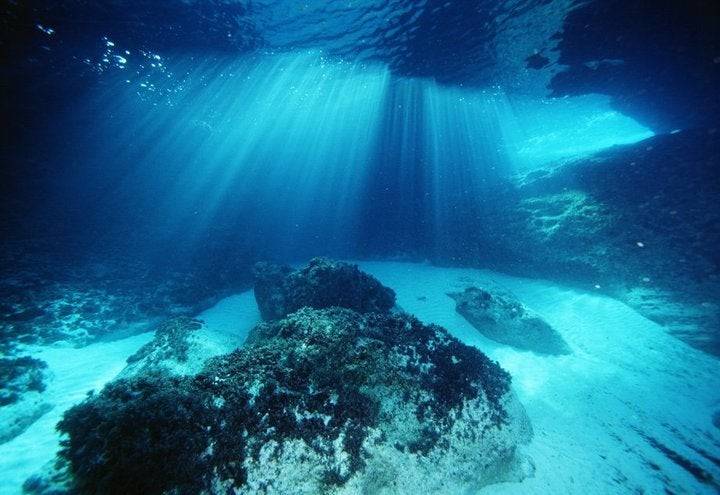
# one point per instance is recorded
(282, 141)
(300, 150)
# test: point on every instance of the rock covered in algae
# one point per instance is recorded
(170, 348)
(323, 283)
(502, 318)
(323, 401)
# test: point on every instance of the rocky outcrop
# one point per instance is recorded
(77, 297)
(685, 78)
(322, 401)
(639, 222)
(280, 290)
(502, 318)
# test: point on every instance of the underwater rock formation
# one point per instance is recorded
(22, 381)
(639, 221)
(280, 290)
(169, 348)
(326, 400)
(671, 44)
(78, 297)
(502, 318)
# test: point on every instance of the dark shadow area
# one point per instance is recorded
(659, 61)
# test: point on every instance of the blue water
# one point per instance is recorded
(152, 152)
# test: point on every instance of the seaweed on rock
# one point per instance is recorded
(314, 403)
(145, 435)
(170, 341)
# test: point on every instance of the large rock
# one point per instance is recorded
(323, 401)
(280, 290)
(501, 317)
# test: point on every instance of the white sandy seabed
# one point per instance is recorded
(629, 411)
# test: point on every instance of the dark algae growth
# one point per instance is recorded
(146, 435)
(320, 391)
(323, 283)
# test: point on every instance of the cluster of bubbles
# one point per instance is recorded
(144, 70)
(110, 57)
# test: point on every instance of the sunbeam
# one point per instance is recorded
(288, 148)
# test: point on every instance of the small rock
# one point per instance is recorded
(500, 317)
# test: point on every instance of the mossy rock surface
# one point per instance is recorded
(322, 283)
(171, 341)
(322, 401)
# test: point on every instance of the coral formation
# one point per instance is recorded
(323, 283)
(501, 317)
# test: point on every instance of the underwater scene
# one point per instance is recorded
(392, 247)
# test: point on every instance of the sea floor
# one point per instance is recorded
(630, 410)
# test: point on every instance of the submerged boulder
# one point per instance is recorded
(323, 401)
(280, 290)
(502, 318)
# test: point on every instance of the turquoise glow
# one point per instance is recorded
(555, 129)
